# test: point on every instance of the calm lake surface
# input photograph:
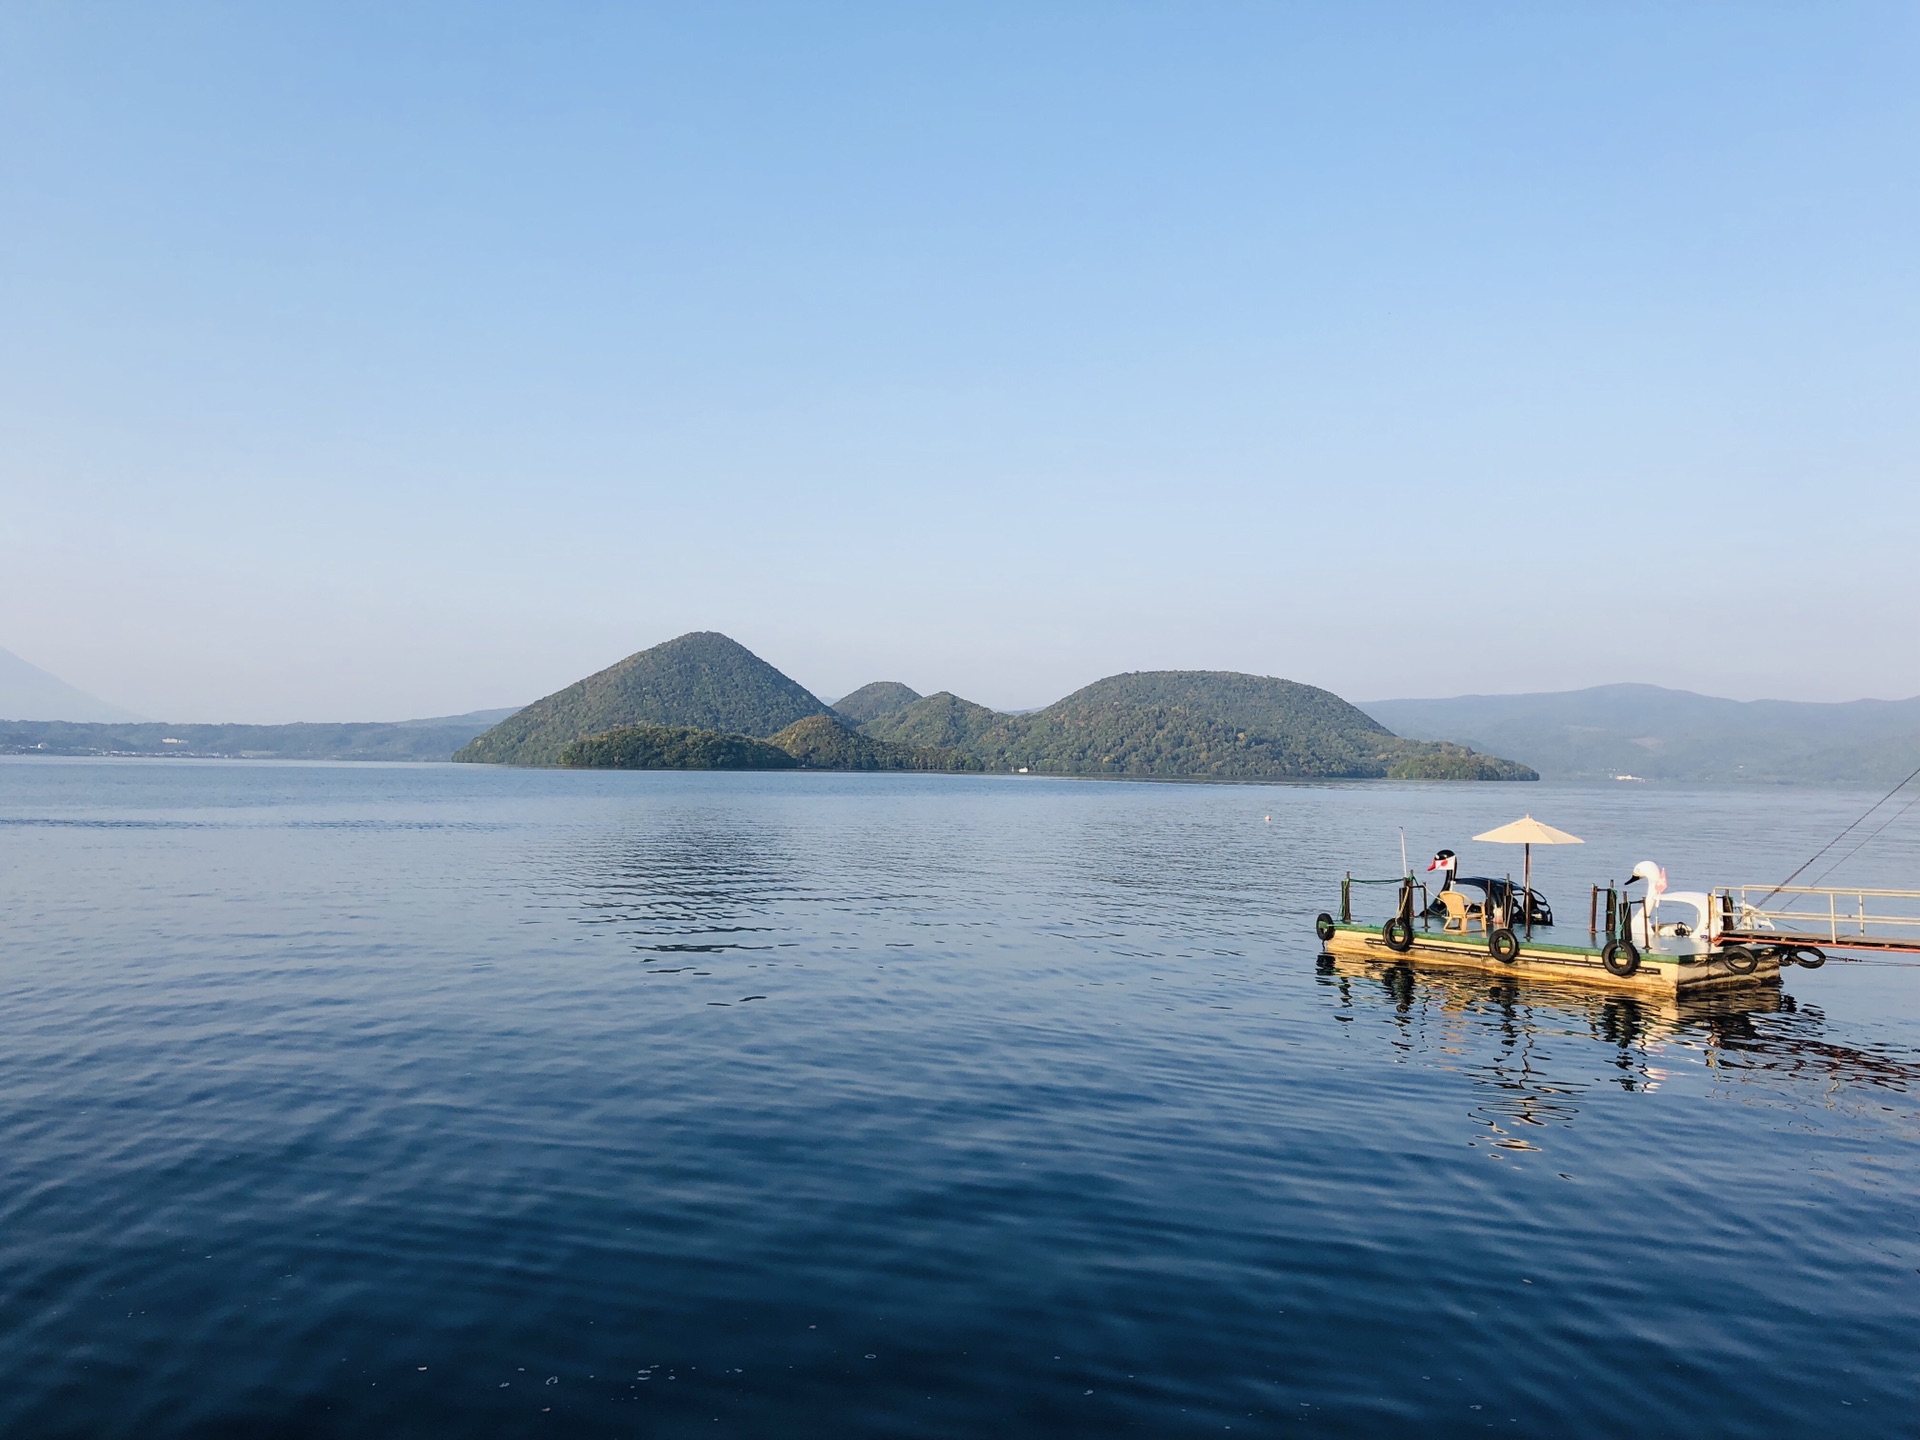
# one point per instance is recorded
(442, 1100)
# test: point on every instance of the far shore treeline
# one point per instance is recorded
(705, 702)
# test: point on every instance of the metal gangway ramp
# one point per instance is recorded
(1837, 918)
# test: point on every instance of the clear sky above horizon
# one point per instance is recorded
(365, 361)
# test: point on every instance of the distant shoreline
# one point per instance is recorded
(1582, 783)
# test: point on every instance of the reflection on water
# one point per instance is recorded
(1504, 1036)
(1795, 1044)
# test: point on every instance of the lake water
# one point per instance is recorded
(440, 1100)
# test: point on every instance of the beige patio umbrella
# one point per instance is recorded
(1529, 832)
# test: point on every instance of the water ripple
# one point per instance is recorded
(350, 1100)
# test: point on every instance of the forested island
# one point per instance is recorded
(703, 701)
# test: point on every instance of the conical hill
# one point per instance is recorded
(870, 702)
(943, 719)
(703, 680)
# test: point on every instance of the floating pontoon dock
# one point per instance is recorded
(1738, 935)
(1668, 975)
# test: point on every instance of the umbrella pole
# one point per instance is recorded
(1527, 883)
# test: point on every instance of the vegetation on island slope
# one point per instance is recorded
(673, 747)
(819, 742)
(1168, 724)
(1443, 760)
(870, 702)
(822, 742)
(704, 681)
(1190, 724)
(944, 719)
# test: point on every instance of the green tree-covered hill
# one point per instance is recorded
(673, 747)
(823, 742)
(1191, 724)
(870, 702)
(703, 680)
(944, 720)
(1444, 760)
(1199, 722)
(819, 742)
(1162, 724)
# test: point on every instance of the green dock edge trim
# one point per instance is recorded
(1458, 942)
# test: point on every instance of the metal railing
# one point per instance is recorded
(1839, 917)
(1403, 907)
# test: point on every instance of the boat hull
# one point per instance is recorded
(1575, 964)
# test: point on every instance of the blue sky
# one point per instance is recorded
(370, 361)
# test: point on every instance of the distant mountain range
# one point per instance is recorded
(29, 693)
(1181, 724)
(46, 716)
(1675, 735)
(373, 740)
(474, 720)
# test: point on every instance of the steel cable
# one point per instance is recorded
(1841, 836)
